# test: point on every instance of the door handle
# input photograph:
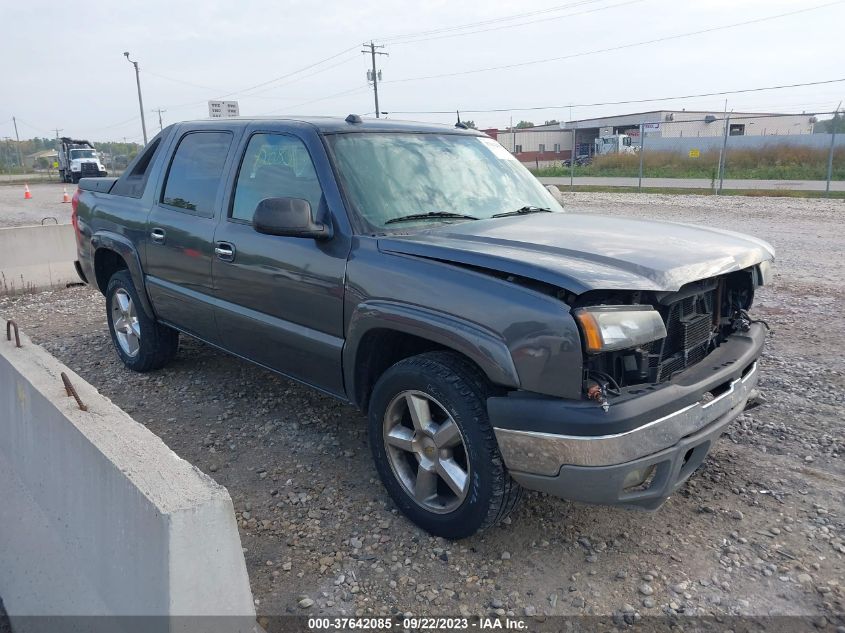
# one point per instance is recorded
(158, 235)
(225, 251)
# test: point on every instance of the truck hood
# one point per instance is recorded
(581, 252)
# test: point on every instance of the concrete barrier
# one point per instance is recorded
(36, 257)
(98, 517)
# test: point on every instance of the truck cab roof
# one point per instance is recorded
(335, 125)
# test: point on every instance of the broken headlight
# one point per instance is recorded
(608, 328)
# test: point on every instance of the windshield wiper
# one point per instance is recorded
(523, 211)
(431, 215)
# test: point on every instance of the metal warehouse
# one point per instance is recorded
(695, 123)
(555, 142)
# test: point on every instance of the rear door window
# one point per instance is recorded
(195, 172)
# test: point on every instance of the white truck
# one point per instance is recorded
(614, 144)
(78, 159)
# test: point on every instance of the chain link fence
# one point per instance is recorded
(692, 150)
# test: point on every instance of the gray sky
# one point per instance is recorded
(62, 64)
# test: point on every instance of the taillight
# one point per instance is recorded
(74, 216)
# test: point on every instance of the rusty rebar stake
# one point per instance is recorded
(71, 391)
(9, 325)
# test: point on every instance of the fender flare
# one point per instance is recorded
(107, 240)
(482, 346)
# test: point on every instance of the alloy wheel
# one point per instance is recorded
(125, 322)
(426, 451)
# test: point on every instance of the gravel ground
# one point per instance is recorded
(760, 529)
(46, 202)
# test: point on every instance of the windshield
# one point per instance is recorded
(82, 153)
(388, 176)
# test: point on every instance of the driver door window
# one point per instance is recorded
(274, 166)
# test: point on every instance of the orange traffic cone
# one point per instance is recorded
(65, 196)
(26, 193)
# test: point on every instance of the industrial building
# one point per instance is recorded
(538, 143)
(555, 142)
(689, 123)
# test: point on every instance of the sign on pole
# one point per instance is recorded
(695, 153)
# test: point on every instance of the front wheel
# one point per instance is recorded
(141, 343)
(434, 448)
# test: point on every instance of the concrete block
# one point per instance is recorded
(36, 257)
(98, 517)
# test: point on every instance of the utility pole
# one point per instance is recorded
(50, 169)
(159, 110)
(642, 146)
(17, 136)
(573, 154)
(722, 149)
(723, 153)
(374, 74)
(833, 125)
(140, 100)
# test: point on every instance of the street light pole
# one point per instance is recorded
(140, 99)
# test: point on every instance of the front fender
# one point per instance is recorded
(482, 346)
(124, 247)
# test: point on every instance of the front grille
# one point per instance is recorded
(89, 168)
(689, 328)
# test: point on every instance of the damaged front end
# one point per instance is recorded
(654, 336)
(670, 371)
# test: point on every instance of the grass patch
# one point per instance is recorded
(753, 193)
(773, 162)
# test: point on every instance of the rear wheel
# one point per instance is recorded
(141, 343)
(434, 448)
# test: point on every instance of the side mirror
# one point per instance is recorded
(290, 217)
(556, 194)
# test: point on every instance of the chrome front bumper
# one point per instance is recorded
(545, 453)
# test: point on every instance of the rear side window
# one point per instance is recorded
(195, 172)
(134, 179)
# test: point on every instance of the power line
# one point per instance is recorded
(331, 96)
(269, 81)
(507, 18)
(292, 73)
(513, 26)
(182, 81)
(627, 101)
(255, 95)
(30, 125)
(120, 124)
(244, 91)
(621, 46)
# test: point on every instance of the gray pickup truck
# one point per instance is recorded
(495, 341)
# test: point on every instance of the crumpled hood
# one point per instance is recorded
(581, 252)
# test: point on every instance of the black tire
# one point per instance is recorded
(462, 390)
(157, 343)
